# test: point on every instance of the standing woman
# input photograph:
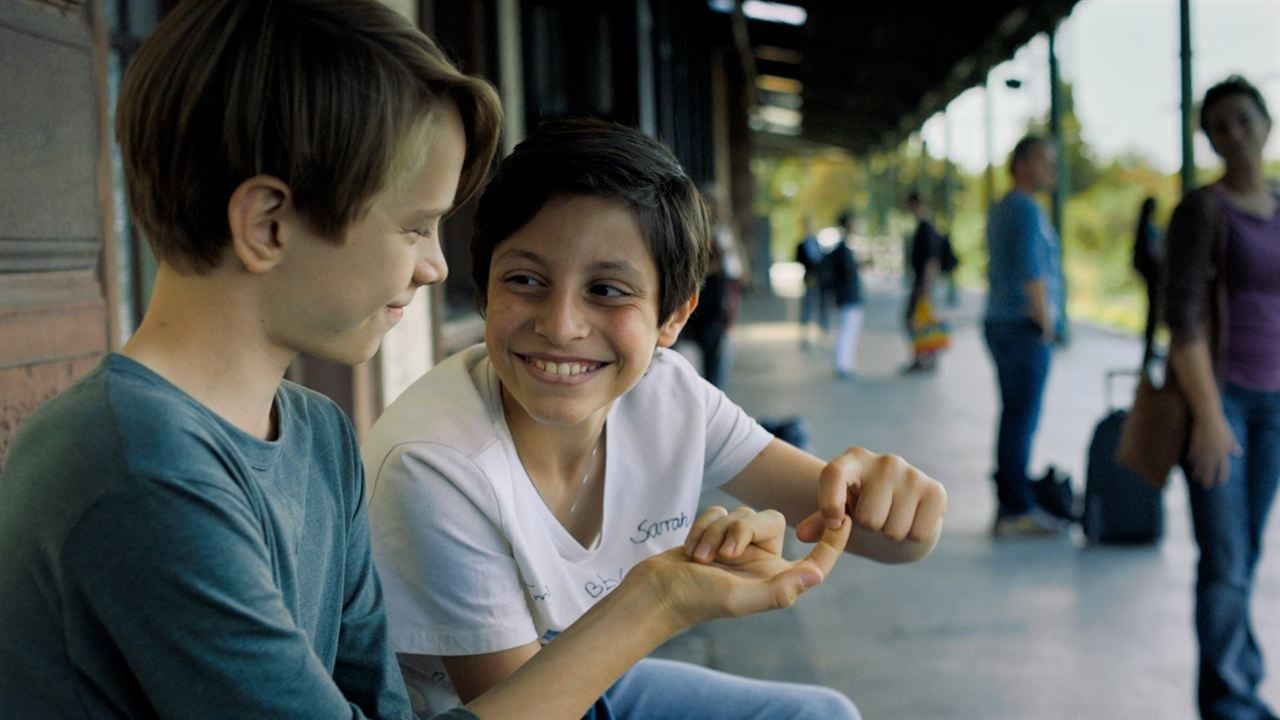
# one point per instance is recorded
(1226, 355)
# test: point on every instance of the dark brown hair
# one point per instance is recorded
(606, 160)
(1232, 86)
(328, 96)
(1024, 148)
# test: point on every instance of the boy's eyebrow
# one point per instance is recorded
(517, 254)
(419, 215)
(615, 266)
(621, 266)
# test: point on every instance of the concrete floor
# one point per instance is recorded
(980, 629)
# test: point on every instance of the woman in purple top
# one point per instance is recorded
(1231, 379)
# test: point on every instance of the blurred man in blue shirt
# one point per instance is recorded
(1024, 307)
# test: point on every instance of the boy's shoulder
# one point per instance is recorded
(670, 366)
(670, 382)
(89, 442)
(454, 404)
(97, 416)
(124, 420)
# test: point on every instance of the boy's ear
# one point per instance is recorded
(671, 328)
(255, 212)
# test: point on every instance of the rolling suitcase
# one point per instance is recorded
(1118, 506)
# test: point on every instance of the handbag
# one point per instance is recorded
(930, 334)
(1157, 430)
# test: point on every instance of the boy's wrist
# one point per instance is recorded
(647, 597)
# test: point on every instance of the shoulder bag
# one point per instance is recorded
(1158, 428)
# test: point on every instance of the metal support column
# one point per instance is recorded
(1055, 132)
(1188, 129)
(948, 172)
(990, 175)
(1064, 174)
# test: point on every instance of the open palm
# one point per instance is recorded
(757, 578)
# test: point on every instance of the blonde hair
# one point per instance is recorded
(328, 96)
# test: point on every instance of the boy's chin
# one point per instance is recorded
(349, 356)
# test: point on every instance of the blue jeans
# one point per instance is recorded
(1022, 359)
(1229, 520)
(664, 689)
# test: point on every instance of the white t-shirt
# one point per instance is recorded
(471, 559)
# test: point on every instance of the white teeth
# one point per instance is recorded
(561, 369)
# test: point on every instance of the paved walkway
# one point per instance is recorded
(980, 629)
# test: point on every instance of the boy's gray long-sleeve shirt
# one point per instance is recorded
(155, 561)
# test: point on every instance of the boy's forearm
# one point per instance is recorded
(567, 676)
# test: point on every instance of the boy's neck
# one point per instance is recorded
(199, 334)
(552, 451)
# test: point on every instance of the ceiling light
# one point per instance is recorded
(779, 84)
(764, 11)
(775, 12)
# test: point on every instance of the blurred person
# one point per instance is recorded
(708, 326)
(719, 298)
(813, 305)
(1148, 255)
(1232, 387)
(927, 252)
(847, 291)
(728, 248)
(1023, 307)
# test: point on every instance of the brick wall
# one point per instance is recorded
(53, 306)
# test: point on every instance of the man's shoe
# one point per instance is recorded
(1031, 524)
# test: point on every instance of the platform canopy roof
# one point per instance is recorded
(869, 72)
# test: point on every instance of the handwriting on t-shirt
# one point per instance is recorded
(601, 584)
(648, 530)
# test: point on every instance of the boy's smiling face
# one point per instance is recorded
(356, 289)
(571, 317)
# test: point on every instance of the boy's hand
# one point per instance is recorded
(718, 533)
(752, 578)
(896, 509)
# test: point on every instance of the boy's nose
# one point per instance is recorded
(560, 319)
(431, 267)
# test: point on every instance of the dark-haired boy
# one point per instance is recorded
(182, 533)
(515, 484)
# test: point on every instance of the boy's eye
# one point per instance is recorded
(519, 280)
(608, 291)
(420, 232)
